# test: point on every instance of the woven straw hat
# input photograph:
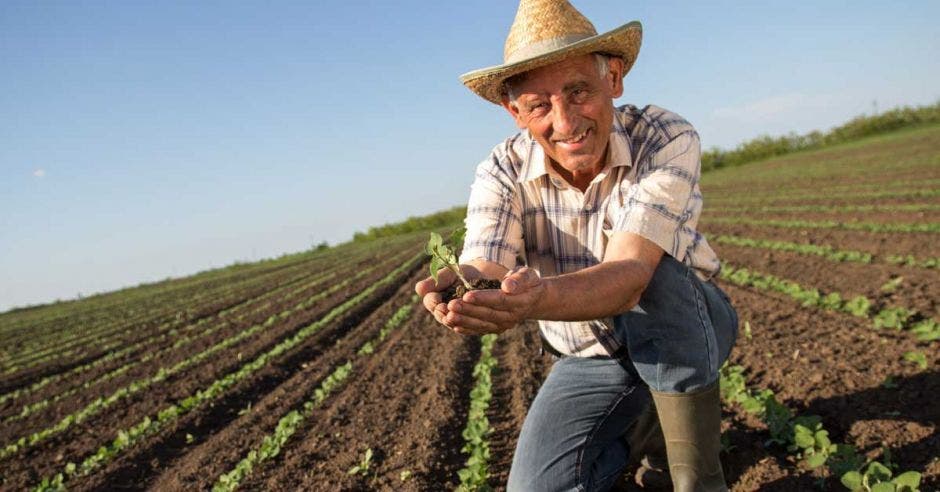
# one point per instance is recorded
(548, 31)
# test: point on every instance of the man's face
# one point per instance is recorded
(568, 108)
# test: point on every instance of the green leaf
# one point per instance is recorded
(852, 480)
(816, 460)
(883, 487)
(907, 481)
(917, 358)
(876, 472)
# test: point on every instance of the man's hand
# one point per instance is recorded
(495, 311)
(431, 291)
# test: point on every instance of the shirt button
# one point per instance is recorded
(556, 182)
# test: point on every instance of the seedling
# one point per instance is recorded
(443, 255)
(917, 358)
(362, 468)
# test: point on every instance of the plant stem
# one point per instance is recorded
(463, 279)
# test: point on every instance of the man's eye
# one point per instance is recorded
(535, 108)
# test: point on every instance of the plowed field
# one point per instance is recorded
(320, 371)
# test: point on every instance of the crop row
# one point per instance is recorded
(893, 207)
(801, 188)
(288, 425)
(928, 227)
(109, 336)
(137, 386)
(181, 337)
(897, 318)
(189, 300)
(65, 334)
(820, 195)
(473, 476)
(178, 340)
(124, 304)
(149, 426)
(808, 441)
(826, 251)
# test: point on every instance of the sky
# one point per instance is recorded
(144, 140)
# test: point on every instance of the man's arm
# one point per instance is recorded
(611, 287)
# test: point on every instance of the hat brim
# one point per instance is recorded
(623, 42)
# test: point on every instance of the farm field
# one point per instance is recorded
(321, 371)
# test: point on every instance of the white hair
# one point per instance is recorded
(600, 61)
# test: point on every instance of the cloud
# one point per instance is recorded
(777, 106)
(39, 173)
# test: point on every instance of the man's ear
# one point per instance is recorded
(513, 111)
(615, 70)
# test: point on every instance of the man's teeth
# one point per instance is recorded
(576, 139)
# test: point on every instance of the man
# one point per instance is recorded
(601, 205)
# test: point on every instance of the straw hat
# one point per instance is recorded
(548, 31)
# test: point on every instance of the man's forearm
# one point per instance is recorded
(600, 291)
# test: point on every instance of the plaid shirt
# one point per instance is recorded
(521, 211)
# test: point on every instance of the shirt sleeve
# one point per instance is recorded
(657, 205)
(494, 226)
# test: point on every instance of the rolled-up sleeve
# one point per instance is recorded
(657, 205)
(494, 227)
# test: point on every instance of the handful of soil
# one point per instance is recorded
(457, 290)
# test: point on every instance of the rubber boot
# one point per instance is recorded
(691, 425)
(648, 448)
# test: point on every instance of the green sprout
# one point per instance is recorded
(443, 255)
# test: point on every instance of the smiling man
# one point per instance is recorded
(589, 218)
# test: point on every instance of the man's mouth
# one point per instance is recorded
(576, 139)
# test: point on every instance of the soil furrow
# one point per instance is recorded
(81, 439)
(919, 289)
(876, 243)
(408, 403)
(519, 372)
(222, 434)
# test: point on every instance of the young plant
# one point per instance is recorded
(443, 255)
(362, 468)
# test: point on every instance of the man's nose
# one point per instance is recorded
(565, 120)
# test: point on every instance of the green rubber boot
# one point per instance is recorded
(648, 450)
(691, 424)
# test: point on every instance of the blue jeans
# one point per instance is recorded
(675, 339)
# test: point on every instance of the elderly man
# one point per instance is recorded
(600, 204)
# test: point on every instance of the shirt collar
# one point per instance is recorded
(618, 154)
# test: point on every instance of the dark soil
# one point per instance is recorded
(457, 290)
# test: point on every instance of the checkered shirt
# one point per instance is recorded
(522, 212)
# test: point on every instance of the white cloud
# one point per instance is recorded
(39, 173)
(798, 112)
(777, 106)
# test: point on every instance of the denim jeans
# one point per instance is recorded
(680, 332)
(676, 338)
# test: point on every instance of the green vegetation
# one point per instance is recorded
(827, 252)
(766, 146)
(928, 227)
(809, 442)
(475, 471)
(898, 318)
(444, 255)
(447, 218)
(362, 468)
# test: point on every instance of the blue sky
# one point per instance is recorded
(141, 140)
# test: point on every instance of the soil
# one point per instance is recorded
(458, 289)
